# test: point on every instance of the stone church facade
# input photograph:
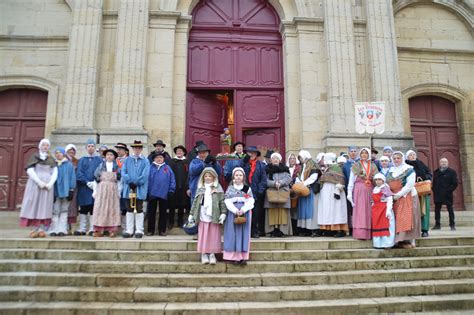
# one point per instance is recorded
(124, 70)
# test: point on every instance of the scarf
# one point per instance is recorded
(59, 162)
(109, 166)
(273, 169)
(180, 158)
(253, 167)
(333, 175)
(158, 166)
(208, 200)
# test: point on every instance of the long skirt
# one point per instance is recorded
(37, 206)
(386, 241)
(424, 202)
(106, 214)
(362, 211)
(308, 212)
(73, 209)
(332, 212)
(415, 231)
(209, 238)
(237, 238)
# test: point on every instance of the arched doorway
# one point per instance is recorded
(235, 74)
(22, 123)
(435, 131)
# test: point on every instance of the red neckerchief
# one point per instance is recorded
(253, 166)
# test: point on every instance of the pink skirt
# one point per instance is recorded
(209, 238)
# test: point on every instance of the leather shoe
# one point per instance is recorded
(437, 227)
(424, 234)
(453, 228)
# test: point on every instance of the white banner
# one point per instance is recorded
(370, 117)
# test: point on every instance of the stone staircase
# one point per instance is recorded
(83, 275)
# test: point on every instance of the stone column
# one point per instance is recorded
(76, 115)
(383, 62)
(291, 65)
(341, 65)
(160, 82)
(130, 61)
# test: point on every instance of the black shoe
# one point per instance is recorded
(261, 234)
(79, 233)
(453, 228)
(243, 263)
(126, 235)
(150, 233)
(340, 234)
(255, 235)
(317, 234)
(138, 235)
(61, 234)
(437, 227)
(424, 234)
(90, 233)
(53, 234)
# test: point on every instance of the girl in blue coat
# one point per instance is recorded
(63, 193)
(161, 188)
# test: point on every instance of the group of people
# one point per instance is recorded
(351, 194)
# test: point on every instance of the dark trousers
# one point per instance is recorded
(86, 209)
(123, 206)
(438, 206)
(180, 216)
(153, 204)
(258, 215)
(139, 206)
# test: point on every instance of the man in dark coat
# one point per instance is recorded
(180, 166)
(257, 178)
(445, 182)
(159, 148)
(193, 153)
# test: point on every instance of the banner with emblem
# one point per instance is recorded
(370, 117)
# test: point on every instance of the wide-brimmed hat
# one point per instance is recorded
(155, 154)
(137, 144)
(180, 147)
(198, 143)
(112, 151)
(159, 142)
(121, 145)
(374, 150)
(237, 143)
(202, 147)
(253, 149)
(269, 153)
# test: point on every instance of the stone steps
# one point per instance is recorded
(423, 303)
(241, 294)
(185, 244)
(232, 280)
(258, 255)
(76, 275)
(31, 265)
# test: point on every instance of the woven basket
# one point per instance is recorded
(300, 190)
(422, 187)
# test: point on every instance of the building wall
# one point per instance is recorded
(336, 52)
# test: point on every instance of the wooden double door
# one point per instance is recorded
(435, 131)
(22, 123)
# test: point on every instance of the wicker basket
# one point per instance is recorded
(300, 190)
(423, 187)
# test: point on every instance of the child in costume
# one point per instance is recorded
(239, 201)
(383, 220)
(208, 211)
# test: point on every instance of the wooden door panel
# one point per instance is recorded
(269, 66)
(435, 132)
(206, 118)
(267, 138)
(7, 175)
(33, 103)
(264, 108)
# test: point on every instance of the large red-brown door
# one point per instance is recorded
(434, 129)
(207, 117)
(22, 121)
(235, 45)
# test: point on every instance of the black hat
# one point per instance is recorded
(159, 142)
(238, 142)
(253, 149)
(137, 144)
(269, 153)
(374, 151)
(110, 150)
(182, 148)
(155, 154)
(121, 146)
(198, 143)
(202, 147)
